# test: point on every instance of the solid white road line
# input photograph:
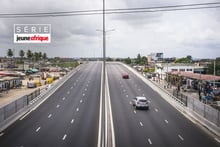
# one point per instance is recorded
(1, 134)
(64, 137)
(49, 116)
(166, 121)
(58, 106)
(217, 140)
(180, 137)
(25, 115)
(37, 129)
(72, 121)
(156, 109)
(141, 123)
(150, 142)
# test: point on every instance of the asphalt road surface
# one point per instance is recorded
(69, 118)
(161, 125)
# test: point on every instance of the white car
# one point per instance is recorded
(140, 102)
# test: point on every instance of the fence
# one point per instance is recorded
(204, 110)
(17, 105)
(211, 114)
(180, 96)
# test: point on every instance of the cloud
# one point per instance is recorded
(176, 33)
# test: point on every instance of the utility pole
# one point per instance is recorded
(214, 75)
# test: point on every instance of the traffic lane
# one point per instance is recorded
(177, 131)
(88, 113)
(39, 114)
(29, 124)
(176, 122)
(126, 132)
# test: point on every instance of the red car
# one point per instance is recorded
(125, 76)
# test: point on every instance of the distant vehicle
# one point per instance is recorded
(140, 102)
(125, 76)
(31, 85)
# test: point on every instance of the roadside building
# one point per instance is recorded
(162, 68)
(7, 83)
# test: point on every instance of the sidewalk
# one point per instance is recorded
(14, 94)
(170, 88)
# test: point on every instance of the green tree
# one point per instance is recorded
(10, 53)
(210, 69)
(128, 60)
(44, 56)
(29, 55)
(21, 54)
(187, 59)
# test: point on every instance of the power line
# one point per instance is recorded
(115, 11)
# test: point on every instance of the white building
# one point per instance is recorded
(163, 68)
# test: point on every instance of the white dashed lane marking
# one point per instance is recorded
(81, 101)
(141, 124)
(149, 141)
(58, 106)
(156, 109)
(180, 137)
(166, 121)
(77, 109)
(72, 121)
(63, 98)
(64, 137)
(1, 134)
(49, 116)
(135, 112)
(37, 129)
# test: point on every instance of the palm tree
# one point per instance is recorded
(44, 56)
(10, 54)
(29, 55)
(21, 54)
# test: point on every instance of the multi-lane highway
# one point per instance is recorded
(162, 125)
(70, 116)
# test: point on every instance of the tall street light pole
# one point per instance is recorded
(104, 144)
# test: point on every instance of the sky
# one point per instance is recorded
(176, 33)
